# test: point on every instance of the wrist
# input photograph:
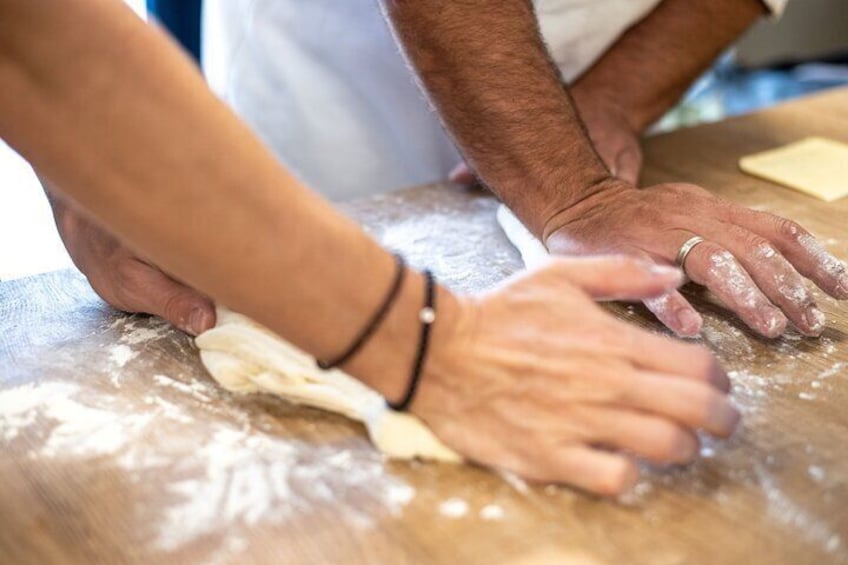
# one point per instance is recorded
(592, 99)
(604, 190)
(386, 361)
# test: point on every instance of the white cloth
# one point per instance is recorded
(323, 83)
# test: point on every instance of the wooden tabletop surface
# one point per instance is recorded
(116, 447)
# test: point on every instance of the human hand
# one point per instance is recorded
(536, 379)
(614, 138)
(126, 281)
(754, 262)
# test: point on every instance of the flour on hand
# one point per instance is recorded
(246, 357)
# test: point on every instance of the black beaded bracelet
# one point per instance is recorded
(427, 315)
(376, 320)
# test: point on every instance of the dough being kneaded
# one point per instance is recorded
(244, 356)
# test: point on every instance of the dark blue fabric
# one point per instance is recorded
(182, 19)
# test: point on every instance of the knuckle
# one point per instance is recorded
(788, 230)
(174, 307)
(720, 415)
(703, 259)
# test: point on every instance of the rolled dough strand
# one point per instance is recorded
(533, 253)
(245, 357)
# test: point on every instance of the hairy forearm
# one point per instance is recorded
(106, 109)
(651, 66)
(488, 73)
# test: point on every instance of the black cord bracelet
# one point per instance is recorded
(426, 316)
(376, 320)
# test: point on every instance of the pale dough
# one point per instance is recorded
(814, 166)
(533, 253)
(246, 357)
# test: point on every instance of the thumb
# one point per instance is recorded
(461, 174)
(628, 164)
(617, 277)
(154, 292)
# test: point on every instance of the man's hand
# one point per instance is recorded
(126, 281)
(615, 139)
(753, 261)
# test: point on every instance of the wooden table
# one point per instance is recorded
(117, 447)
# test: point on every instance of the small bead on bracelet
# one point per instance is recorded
(427, 316)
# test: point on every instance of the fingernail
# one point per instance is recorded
(774, 322)
(689, 323)
(815, 320)
(674, 274)
(842, 287)
(726, 420)
(198, 321)
(687, 451)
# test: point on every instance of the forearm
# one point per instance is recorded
(489, 75)
(651, 66)
(105, 108)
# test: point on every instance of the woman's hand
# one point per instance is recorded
(125, 280)
(536, 379)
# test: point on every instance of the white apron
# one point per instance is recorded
(324, 85)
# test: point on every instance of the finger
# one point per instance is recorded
(147, 289)
(800, 248)
(586, 468)
(775, 276)
(667, 356)
(461, 174)
(618, 277)
(673, 310)
(716, 268)
(692, 404)
(628, 164)
(653, 438)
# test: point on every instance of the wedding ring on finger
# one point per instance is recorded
(686, 249)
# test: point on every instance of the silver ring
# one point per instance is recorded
(686, 249)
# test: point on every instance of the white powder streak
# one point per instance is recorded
(492, 512)
(453, 508)
(828, 264)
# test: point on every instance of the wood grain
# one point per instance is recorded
(118, 448)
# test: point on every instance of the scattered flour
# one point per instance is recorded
(785, 510)
(816, 473)
(196, 389)
(724, 267)
(828, 265)
(453, 508)
(491, 512)
(76, 428)
(239, 478)
(234, 475)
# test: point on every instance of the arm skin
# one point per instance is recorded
(531, 377)
(165, 165)
(650, 67)
(653, 64)
(488, 74)
(638, 78)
